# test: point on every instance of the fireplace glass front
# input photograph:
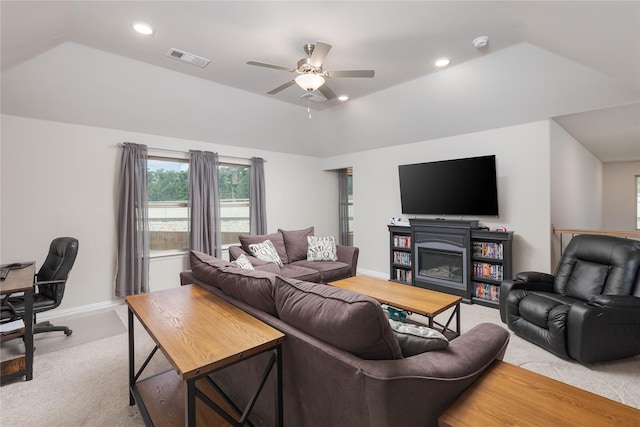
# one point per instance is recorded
(441, 265)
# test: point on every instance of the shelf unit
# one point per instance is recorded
(401, 258)
(491, 262)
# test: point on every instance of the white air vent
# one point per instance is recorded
(188, 57)
(314, 97)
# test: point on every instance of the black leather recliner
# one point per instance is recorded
(589, 310)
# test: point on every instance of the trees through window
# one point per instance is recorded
(168, 195)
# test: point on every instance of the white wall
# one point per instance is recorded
(619, 201)
(61, 179)
(522, 156)
(576, 187)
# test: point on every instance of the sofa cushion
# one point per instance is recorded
(295, 271)
(266, 252)
(322, 248)
(414, 339)
(276, 239)
(347, 320)
(206, 267)
(295, 242)
(329, 271)
(253, 287)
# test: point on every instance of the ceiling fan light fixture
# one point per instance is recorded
(309, 82)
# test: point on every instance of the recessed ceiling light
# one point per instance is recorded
(442, 62)
(343, 98)
(143, 28)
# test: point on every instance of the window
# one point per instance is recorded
(234, 202)
(168, 193)
(638, 202)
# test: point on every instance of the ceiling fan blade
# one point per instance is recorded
(276, 67)
(327, 92)
(350, 73)
(320, 52)
(282, 87)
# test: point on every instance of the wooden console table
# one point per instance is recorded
(199, 333)
(20, 280)
(425, 302)
(507, 395)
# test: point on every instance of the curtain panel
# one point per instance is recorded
(204, 202)
(257, 202)
(132, 275)
(343, 206)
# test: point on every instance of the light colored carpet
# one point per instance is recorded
(87, 385)
(86, 328)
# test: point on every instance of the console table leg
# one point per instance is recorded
(132, 380)
(190, 403)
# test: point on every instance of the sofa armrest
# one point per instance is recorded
(348, 255)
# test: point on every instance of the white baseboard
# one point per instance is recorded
(48, 315)
(376, 274)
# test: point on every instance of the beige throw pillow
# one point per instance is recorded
(321, 248)
(266, 252)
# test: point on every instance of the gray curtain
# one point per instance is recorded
(343, 206)
(132, 276)
(257, 203)
(204, 202)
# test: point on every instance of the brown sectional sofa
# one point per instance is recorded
(292, 249)
(342, 365)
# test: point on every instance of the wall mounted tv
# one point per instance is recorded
(450, 187)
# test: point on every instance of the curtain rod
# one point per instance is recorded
(169, 150)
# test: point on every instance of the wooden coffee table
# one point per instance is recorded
(199, 333)
(507, 395)
(410, 298)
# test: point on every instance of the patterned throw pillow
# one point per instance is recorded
(321, 248)
(266, 252)
(414, 339)
(243, 262)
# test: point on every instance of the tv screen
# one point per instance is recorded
(450, 187)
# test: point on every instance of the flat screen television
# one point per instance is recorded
(450, 187)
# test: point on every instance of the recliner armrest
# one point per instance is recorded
(538, 282)
(622, 301)
(534, 276)
(348, 255)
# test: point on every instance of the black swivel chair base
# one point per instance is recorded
(48, 327)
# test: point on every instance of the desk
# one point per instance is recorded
(507, 395)
(20, 280)
(199, 333)
(425, 302)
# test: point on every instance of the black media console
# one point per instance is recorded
(451, 256)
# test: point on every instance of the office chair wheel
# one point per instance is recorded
(68, 332)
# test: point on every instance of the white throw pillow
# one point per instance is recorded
(321, 248)
(414, 339)
(243, 262)
(265, 251)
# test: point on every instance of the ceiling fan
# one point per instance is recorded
(311, 76)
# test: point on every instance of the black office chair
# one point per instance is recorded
(50, 282)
